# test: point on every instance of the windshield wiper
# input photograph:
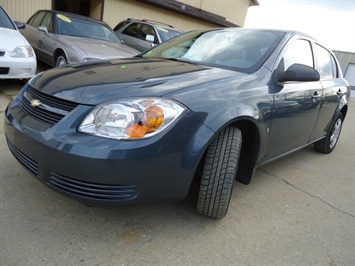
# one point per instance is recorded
(178, 60)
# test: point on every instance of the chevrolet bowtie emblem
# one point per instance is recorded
(35, 103)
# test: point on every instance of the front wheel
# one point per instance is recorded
(61, 60)
(327, 144)
(219, 170)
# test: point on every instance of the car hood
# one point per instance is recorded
(107, 80)
(11, 39)
(99, 48)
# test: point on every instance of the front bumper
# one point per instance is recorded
(17, 68)
(100, 171)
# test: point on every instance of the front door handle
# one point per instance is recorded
(340, 93)
(315, 96)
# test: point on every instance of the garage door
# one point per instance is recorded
(350, 74)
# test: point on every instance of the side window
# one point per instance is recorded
(326, 63)
(36, 20)
(147, 30)
(48, 22)
(299, 52)
(132, 30)
(120, 25)
(31, 19)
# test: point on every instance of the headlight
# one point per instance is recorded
(22, 51)
(89, 59)
(131, 119)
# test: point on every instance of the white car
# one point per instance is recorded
(17, 58)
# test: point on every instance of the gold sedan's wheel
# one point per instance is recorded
(61, 60)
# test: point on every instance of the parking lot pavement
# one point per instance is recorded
(296, 211)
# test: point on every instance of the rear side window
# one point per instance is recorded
(326, 63)
(36, 19)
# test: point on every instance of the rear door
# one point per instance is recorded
(296, 104)
(333, 87)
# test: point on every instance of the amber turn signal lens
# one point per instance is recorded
(153, 117)
(137, 131)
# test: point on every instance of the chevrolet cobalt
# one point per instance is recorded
(206, 107)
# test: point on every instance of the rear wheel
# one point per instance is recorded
(327, 144)
(219, 170)
(61, 60)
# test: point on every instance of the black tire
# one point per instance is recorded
(218, 173)
(327, 144)
(61, 60)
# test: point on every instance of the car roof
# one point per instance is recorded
(72, 15)
(288, 32)
(150, 21)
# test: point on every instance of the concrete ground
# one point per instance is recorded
(298, 210)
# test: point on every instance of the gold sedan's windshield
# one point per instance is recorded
(81, 28)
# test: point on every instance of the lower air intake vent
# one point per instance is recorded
(90, 190)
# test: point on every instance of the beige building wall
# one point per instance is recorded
(21, 10)
(234, 11)
(117, 10)
(95, 9)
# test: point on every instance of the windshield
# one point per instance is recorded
(5, 21)
(239, 49)
(87, 29)
(167, 33)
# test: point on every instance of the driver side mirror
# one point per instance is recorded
(149, 38)
(298, 72)
(43, 29)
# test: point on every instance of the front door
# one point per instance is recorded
(296, 104)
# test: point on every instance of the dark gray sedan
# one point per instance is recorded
(186, 112)
(60, 38)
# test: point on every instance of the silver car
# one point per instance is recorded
(60, 38)
(144, 34)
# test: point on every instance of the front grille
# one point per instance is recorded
(4, 70)
(51, 109)
(40, 114)
(90, 190)
(51, 100)
(27, 162)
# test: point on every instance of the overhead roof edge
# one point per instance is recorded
(254, 3)
(190, 11)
